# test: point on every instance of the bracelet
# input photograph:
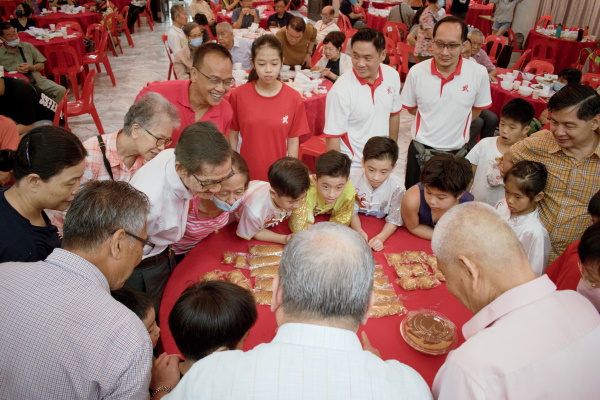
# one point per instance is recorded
(161, 389)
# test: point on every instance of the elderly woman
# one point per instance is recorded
(47, 167)
(334, 62)
(22, 22)
(183, 59)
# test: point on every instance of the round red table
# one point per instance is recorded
(384, 333)
(380, 4)
(376, 22)
(84, 19)
(76, 42)
(568, 50)
(500, 97)
(264, 16)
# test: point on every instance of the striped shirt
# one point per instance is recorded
(62, 335)
(571, 184)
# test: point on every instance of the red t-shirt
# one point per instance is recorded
(265, 124)
(564, 271)
(177, 92)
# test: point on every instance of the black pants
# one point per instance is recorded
(134, 12)
(412, 165)
(482, 127)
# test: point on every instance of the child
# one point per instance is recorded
(378, 191)
(267, 204)
(443, 184)
(141, 304)
(209, 215)
(566, 77)
(330, 192)
(515, 117)
(211, 316)
(524, 184)
(270, 115)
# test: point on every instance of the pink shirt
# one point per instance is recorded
(482, 58)
(532, 342)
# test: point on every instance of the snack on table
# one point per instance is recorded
(265, 250)
(431, 259)
(406, 257)
(228, 257)
(418, 269)
(381, 282)
(378, 272)
(407, 282)
(264, 261)
(240, 262)
(263, 297)
(264, 284)
(427, 282)
(438, 275)
(265, 272)
(428, 331)
(385, 308)
(216, 275)
(239, 279)
(384, 295)
(403, 270)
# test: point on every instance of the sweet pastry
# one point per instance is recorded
(438, 275)
(228, 257)
(264, 261)
(432, 261)
(429, 331)
(265, 250)
(378, 272)
(384, 295)
(216, 275)
(419, 269)
(408, 282)
(406, 257)
(264, 284)
(385, 308)
(263, 297)
(239, 279)
(427, 282)
(403, 270)
(381, 282)
(265, 272)
(240, 262)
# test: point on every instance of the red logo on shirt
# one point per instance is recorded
(465, 88)
(389, 90)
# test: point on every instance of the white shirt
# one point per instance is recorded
(169, 200)
(176, 39)
(302, 362)
(488, 185)
(533, 342)
(258, 211)
(345, 63)
(531, 233)
(356, 111)
(444, 106)
(242, 52)
(324, 29)
(381, 202)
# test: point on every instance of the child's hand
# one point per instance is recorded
(363, 234)
(376, 243)
(165, 371)
(287, 238)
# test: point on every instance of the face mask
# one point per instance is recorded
(592, 294)
(19, 13)
(222, 205)
(14, 43)
(195, 42)
(558, 85)
(325, 20)
(353, 2)
(440, 3)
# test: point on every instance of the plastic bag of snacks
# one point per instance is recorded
(384, 295)
(263, 261)
(418, 282)
(216, 275)
(406, 257)
(265, 272)
(263, 297)
(236, 276)
(381, 282)
(378, 272)
(265, 250)
(264, 284)
(385, 308)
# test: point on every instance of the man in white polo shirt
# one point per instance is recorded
(446, 94)
(364, 102)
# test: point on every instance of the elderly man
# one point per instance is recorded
(298, 40)
(199, 164)
(201, 97)
(24, 58)
(175, 37)
(239, 48)
(245, 15)
(364, 102)
(527, 340)
(321, 296)
(570, 150)
(402, 13)
(25, 104)
(479, 54)
(62, 334)
(445, 93)
(326, 24)
(281, 17)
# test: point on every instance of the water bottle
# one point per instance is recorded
(579, 35)
(558, 30)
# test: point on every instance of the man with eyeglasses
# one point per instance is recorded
(445, 94)
(197, 166)
(201, 97)
(298, 40)
(63, 336)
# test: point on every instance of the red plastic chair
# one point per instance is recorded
(512, 41)
(317, 55)
(61, 109)
(74, 25)
(343, 22)
(404, 50)
(359, 10)
(124, 27)
(110, 23)
(523, 60)
(215, 9)
(392, 52)
(539, 67)
(67, 63)
(164, 38)
(592, 80)
(315, 146)
(347, 40)
(147, 13)
(99, 35)
(544, 21)
(393, 30)
(86, 104)
(498, 42)
(545, 50)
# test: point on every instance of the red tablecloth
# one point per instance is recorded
(263, 18)
(376, 22)
(8, 7)
(500, 97)
(475, 10)
(568, 50)
(75, 42)
(85, 19)
(16, 75)
(380, 4)
(384, 333)
(121, 3)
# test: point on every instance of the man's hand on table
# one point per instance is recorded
(493, 79)
(367, 345)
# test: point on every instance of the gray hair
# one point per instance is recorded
(176, 9)
(202, 144)
(326, 272)
(477, 231)
(476, 32)
(149, 111)
(100, 209)
(226, 26)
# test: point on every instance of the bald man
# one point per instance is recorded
(326, 24)
(526, 340)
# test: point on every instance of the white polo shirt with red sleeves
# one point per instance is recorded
(443, 116)
(357, 110)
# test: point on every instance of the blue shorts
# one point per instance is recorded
(501, 25)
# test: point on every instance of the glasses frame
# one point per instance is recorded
(165, 141)
(212, 183)
(214, 82)
(447, 46)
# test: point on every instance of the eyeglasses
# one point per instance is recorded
(586, 278)
(449, 46)
(148, 245)
(214, 82)
(159, 141)
(206, 184)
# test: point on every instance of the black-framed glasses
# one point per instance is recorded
(450, 46)
(212, 183)
(148, 245)
(214, 82)
(159, 141)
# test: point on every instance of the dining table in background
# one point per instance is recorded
(500, 97)
(568, 50)
(380, 4)
(384, 333)
(74, 39)
(264, 16)
(376, 21)
(84, 19)
(475, 11)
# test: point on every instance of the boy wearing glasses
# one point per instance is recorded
(445, 94)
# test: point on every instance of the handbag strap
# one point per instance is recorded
(106, 163)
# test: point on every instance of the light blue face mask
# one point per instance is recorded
(558, 85)
(196, 42)
(222, 205)
(353, 2)
(14, 43)
(441, 3)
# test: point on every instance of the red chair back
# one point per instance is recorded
(87, 95)
(592, 80)
(392, 52)
(165, 38)
(65, 56)
(544, 49)
(359, 10)
(99, 35)
(61, 109)
(512, 41)
(74, 25)
(397, 31)
(343, 22)
(544, 21)
(317, 55)
(539, 67)
(404, 50)
(110, 23)
(523, 60)
(498, 42)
